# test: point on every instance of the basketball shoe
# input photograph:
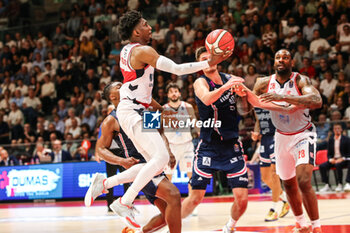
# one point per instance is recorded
(227, 229)
(96, 189)
(127, 213)
(271, 216)
(285, 210)
(299, 229)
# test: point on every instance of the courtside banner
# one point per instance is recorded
(61, 180)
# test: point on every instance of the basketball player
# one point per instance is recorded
(219, 148)
(266, 131)
(159, 191)
(295, 138)
(137, 63)
(180, 140)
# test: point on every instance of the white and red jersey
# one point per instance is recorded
(183, 135)
(291, 123)
(138, 84)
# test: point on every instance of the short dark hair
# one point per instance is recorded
(172, 85)
(128, 22)
(199, 51)
(107, 90)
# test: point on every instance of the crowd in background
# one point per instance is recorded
(51, 83)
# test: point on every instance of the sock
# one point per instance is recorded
(274, 205)
(301, 220)
(231, 223)
(126, 176)
(283, 196)
(316, 223)
(131, 193)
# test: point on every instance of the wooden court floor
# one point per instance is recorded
(64, 217)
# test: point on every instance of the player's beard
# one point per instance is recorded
(174, 100)
(283, 72)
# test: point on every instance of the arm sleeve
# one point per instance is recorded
(167, 65)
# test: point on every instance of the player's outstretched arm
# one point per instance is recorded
(201, 89)
(109, 125)
(310, 97)
(259, 88)
(142, 55)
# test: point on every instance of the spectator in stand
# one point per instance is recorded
(58, 155)
(52, 129)
(89, 118)
(158, 34)
(247, 37)
(183, 10)
(87, 32)
(323, 130)
(42, 153)
(251, 76)
(307, 68)
(47, 94)
(328, 31)
(4, 131)
(300, 16)
(23, 75)
(6, 160)
(59, 124)
(28, 134)
(78, 108)
(318, 42)
(62, 109)
(299, 55)
(101, 39)
(344, 39)
(188, 55)
(176, 44)
(338, 152)
(328, 85)
(288, 31)
(18, 98)
(166, 12)
(170, 32)
(70, 145)
(71, 117)
(98, 102)
(5, 103)
(41, 132)
(74, 129)
(309, 28)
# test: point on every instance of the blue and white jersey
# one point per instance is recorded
(223, 110)
(266, 126)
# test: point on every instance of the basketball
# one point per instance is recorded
(221, 40)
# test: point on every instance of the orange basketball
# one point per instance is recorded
(221, 40)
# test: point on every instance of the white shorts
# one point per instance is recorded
(293, 150)
(147, 143)
(184, 154)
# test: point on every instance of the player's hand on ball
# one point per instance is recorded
(129, 162)
(218, 58)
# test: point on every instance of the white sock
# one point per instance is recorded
(126, 176)
(316, 223)
(274, 205)
(301, 220)
(283, 196)
(231, 223)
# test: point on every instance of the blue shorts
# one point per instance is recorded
(219, 156)
(267, 150)
(151, 188)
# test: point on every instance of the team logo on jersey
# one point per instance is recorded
(291, 83)
(236, 148)
(206, 161)
(273, 85)
(151, 120)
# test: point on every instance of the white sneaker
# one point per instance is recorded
(325, 189)
(227, 229)
(347, 187)
(96, 189)
(339, 188)
(125, 212)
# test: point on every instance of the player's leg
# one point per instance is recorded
(304, 152)
(201, 176)
(158, 221)
(278, 191)
(285, 168)
(171, 195)
(237, 176)
(100, 183)
(186, 160)
(111, 170)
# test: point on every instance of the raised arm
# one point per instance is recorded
(310, 97)
(142, 55)
(201, 90)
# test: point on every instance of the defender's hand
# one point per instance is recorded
(129, 162)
